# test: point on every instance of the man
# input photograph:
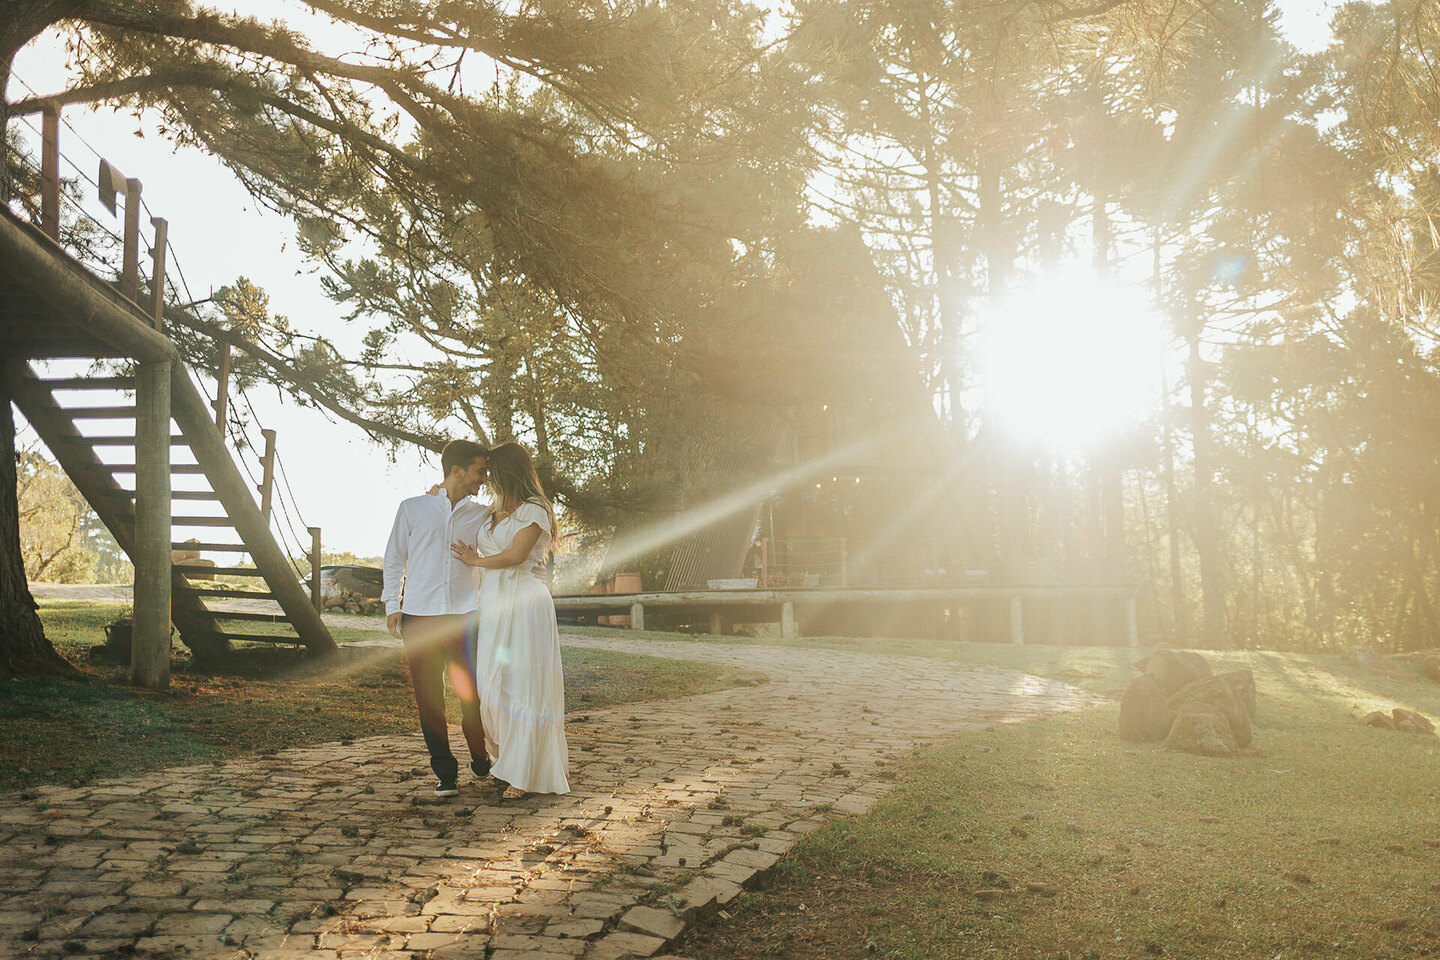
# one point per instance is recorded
(439, 600)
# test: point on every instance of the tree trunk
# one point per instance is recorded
(24, 648)
(1207, 530)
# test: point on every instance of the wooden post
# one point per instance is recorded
(1132, 622)
(157, 275)
(222, 390)
(315, 568)
(717, 623)
(787, 620)
(150, 626)
(50, 171)
(267, 473)
(1017, 622)
(637, 616)
(764, 562)
(130, 274)
(844, 564)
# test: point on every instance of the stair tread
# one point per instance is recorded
(260, 638)
(229, 593)
(248, 615)
(218, 571)
(181, 468)
(87, 383)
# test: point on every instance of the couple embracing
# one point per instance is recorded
(474, 608)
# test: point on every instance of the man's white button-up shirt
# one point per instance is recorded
(418, 556)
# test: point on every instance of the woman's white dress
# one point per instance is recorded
(517, 663)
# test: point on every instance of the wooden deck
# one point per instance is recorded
(789, 607)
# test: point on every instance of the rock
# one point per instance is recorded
(1218, 693)
(1243, 683)
(1379, 718)
(1202, 728)
(189, 554)
(1145, 716)
(1174, 668)
(117, 639)
(1411, 722)
(1430, 667)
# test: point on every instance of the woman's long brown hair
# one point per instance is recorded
(513, 481)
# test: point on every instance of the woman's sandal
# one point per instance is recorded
(513, 793)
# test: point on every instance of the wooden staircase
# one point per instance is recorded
(205, 629)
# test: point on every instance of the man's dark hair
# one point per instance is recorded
(460, 453)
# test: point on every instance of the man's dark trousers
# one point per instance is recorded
(434, 648)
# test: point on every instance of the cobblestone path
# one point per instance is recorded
(340, 850)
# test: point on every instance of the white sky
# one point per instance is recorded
(342, 482)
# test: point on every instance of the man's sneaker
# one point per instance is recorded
(481, 768)
(447, 788)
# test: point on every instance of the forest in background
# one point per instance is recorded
(651, 211)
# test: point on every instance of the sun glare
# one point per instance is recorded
(1071, 361)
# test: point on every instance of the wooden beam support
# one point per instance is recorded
(150, 644)
(157, 273)
(637, 616)
(787, 620)
(1017, 621)
(50, 171)
(222, 387)
(267, 473)
(130, 271)
(315, 597)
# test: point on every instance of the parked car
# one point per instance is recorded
(343, 578)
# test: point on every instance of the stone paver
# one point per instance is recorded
(339, 851)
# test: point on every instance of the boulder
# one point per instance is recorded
(1220, 694)
(1379, 718)
(1408, 721)
(189, 554)
(1201, 728)
(1243, 683)
(1174, 668)
(1145, 716)
(200, 574)
(1430, 667)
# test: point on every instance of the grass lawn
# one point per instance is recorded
(1057, 841)
(57, 731)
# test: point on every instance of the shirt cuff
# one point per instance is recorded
(392, 607)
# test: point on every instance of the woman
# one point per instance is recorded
(517, 649)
